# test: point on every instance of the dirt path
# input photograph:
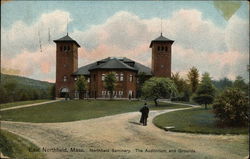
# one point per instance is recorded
(30, 105)
(122, 132)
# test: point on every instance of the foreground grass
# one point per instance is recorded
(197, 120)
(64, 111)
(15, 146)
(13, 104)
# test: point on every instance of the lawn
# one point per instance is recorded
(64, 111)
(13, 104)
(15, 146)
(197, 120)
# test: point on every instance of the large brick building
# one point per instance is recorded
(126, 69)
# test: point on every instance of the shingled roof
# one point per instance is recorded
(111, 63)
(66, 38)
(160, 39)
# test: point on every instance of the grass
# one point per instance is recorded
(15, 146)
(65, 111)
(13, 104)
(197, 120)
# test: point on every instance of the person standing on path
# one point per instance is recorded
(144, 114)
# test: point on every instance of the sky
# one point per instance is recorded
(212, 36)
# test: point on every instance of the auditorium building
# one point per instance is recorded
(126, 70)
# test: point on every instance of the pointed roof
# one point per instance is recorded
(66, 38)
(160, 39)
(113, 63)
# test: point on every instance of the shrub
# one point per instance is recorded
(231, 108)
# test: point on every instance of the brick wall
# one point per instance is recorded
(97, 88)
(161, 59)
(66, 64)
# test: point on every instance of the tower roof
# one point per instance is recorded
(161, 39)
(66, 38)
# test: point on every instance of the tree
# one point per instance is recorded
(10, 88)
(81, 86)
(110, 82)
(182, 86)
(35, 95)
(23, 95)
(158, 87)
(205, 92)
(52, 91)
(3, 95)
(141, 79)
(240, 84)
(231, 107)
(193, 78)
(223, 83)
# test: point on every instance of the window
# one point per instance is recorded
(64, 78)
(162, 48)
(120, 93)
(130, 78)
(166, 48)
(103, 77)
(68, 48)
(117, 77)
(103, 93)
(121, 77)
(159, 48)
(64, 48)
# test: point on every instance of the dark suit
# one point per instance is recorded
(144, 115)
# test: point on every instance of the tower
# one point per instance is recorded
(161, 56)
(66, 64)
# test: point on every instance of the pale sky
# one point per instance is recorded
(203, 37)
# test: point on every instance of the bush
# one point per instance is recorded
(231, 108)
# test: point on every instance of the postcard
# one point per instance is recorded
(124, 79)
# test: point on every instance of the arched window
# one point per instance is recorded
(65, 48)
(159, 48)
(166, 48)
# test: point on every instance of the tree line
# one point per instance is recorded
(11, 91)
